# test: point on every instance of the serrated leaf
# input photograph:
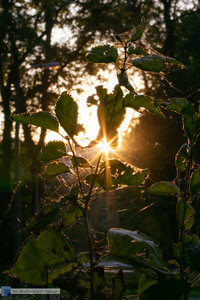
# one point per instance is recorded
(67, 114)
(79, 161)
(154, 63)
(102, 54)
(182, 157)
(137, 35)
(195, 181)
(41, 119)
(164, 188)
(50, 252)
(126, 244)
(54, 169)
(140, 101)
(185, 214)
(71, 215)
(52, 150)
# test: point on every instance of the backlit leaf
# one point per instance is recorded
(137, 35)
(67, 114)
(54, 169)
(41, 119)
(50, 252)
(182, 157)
(164, 188)
(185, 214)
(71, 215)
(80, 162)
(52, 150)
(102, 54)
(154, 63)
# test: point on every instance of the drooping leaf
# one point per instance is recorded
(182, 157)
(41, 119)
(140, 101)
(123, 81)
(164, 188)
(185, 214)
(54, 169)
(67, 114)
(136, 50)
(71, 215)
(137, 35)
(102, 54)
(79, 161)
(195, 181)
(45, 216)
(50, 252)
(126, 244)
(154, 63)
(52, 150)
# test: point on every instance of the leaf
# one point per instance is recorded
(123, 81)
(41, 119)
(136, 50)
(191, 124)
(118, 286)
(185, 214)
(196, 150)
(79, 161)
(71, 215)
(193, 255)
(154, 63)
(45, 216)
(126, 244)
(54, 169)
(103, 54)
(137, 35)
(182, 157)
(195, 181)
(168, 289)
(179, 105)
(49, 253)
(67, 114)
(140, 101)
(164, 188)
(111, 113)
(52, 150)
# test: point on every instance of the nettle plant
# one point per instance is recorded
(48, 254)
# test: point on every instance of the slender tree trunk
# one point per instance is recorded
(168, 47)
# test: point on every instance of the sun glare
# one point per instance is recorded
(104, 146)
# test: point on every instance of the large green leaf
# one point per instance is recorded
(185, 214)
(102, 54)
(137, 35)
(54, 169)
(182, 157)
(71, 215)
(154, 63)
(191, 124)
(127, 244)
(140, 101)
(164, 188)
(49, 253)
(67, 114)
(41, 119)
(195, 181)
(52, 151)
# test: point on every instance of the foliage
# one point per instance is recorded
(159, 279)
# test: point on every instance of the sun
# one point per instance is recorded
(104, 147)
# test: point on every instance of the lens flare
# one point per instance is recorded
(104, 146)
